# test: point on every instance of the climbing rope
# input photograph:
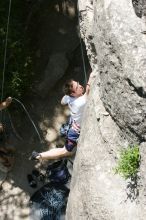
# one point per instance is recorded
(5, 51)
(84, 67)
(5, 55)
(3, 73)
(13, 128)
(39, 136)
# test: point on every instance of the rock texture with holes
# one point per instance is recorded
(122, 65)
(115, 115)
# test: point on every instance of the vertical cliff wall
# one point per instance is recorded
(115, 116)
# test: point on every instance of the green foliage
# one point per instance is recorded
(129, 161)
(18, 73)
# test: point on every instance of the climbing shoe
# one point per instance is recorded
(34, 155)
(31, 181)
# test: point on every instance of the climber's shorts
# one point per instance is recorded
(71, 141)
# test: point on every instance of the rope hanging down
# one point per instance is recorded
(3, 72)
(5, 51)
(39, 136)
(84, 67)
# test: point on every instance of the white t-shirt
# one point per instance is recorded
(76, 106)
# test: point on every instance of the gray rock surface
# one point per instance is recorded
(115, 115)
(55, 69)
(122, 66)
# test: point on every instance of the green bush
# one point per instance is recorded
(129, 161)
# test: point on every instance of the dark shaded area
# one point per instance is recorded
(18, 73)
(52, 30)
(140, 91)
(138, 7)
(132, 189)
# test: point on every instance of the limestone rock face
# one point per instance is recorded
(121, 56)
(115, 115)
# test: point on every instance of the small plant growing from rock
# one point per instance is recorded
(128, 163)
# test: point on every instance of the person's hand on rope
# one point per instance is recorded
(1, 128)
(6, 103)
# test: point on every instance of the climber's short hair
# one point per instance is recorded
(68, 87)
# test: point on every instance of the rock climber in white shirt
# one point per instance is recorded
(76, 99)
